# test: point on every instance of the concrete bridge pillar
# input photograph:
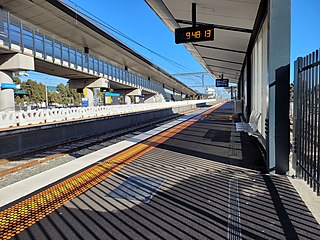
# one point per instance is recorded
(130, 95)
(89, 95)
(150, 98)
(6, 95)
(10, 63)
(89, 85)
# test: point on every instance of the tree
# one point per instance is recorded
(54, 97)
(16, 80)
(76, 97)
(69, 96)
(37, 94)
(291, 92)
(19, 100)
(36, 91)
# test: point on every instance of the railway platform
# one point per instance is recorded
(193, 178)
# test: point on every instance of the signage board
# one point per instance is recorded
(84, 102)
(222, 82)
(194, 34)
(10, 86)
(110, 94)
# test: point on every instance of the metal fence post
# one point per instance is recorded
(306, 149)
(44, 46)
(34, 50)
(69, 58)
(9, 29)
(296, 115)
(53, 52)
(21, 37)
(61, 53)
(317, 141)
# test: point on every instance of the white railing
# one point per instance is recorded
(18, 35)
(30, 117)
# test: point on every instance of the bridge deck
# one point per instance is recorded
(196, 180)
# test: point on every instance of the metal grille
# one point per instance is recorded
(306, 138)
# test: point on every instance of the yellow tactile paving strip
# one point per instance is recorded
(42, 160)
(24, 214)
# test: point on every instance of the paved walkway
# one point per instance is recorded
(197, 180)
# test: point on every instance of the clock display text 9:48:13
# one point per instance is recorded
(194, 34)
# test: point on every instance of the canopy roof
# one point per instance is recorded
(234, 22)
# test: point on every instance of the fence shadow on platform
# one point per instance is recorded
(192, 204)
(195, 202)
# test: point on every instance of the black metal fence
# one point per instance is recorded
(306, 124)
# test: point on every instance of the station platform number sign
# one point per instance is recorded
(84, 102)
(222, 82)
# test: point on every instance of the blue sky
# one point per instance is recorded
(305, 34)
(135, 19)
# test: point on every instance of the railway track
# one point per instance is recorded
(24, 166)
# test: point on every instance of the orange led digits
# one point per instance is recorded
(207, 33)
(194, 34)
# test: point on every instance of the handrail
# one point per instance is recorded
(19, 35)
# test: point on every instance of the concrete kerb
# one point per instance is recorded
(306, 193)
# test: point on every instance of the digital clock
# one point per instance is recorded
(194, 34)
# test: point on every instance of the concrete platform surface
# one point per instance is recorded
(197, 180)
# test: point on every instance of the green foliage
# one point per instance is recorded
(37, 94)
(16, 80)
(54, 97)
(291, 91)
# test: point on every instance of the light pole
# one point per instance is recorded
(46, 89)
(46, 96)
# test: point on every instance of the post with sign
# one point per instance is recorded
(222, 82)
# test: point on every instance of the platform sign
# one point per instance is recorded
(111, 94)
(194, 34)
(10, 86)
(222, 82)
(84, 102)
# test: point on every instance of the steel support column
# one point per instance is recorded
(279, 78)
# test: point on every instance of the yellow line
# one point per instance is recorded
(24, 214)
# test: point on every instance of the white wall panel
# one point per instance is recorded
(259, 90)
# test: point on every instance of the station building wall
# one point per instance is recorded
(259, 77)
